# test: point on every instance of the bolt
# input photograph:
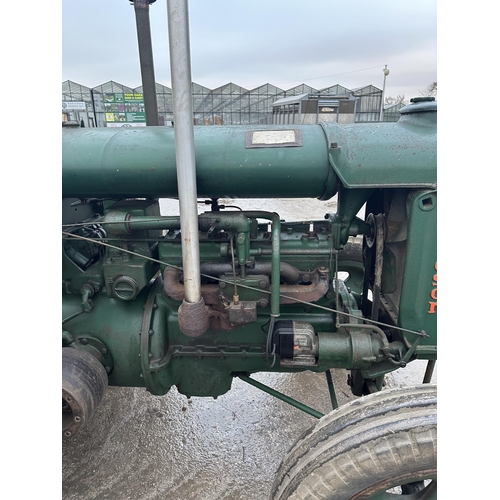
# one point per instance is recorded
(84, 341)
(104, 351)
(262, 284)
(108, 369)
(151, 332)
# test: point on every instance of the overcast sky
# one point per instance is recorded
(250, 43)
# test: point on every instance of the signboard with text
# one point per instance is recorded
(73, 106)
(122, 109)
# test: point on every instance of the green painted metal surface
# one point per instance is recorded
(418, 306)
(122, 260)
(140, 162)
(385, 155)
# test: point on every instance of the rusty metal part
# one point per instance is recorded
(242, 312)
(211, 293)
(308, 293)
(218, 318)
(288, 273)
(193, 318)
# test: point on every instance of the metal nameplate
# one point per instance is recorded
(273, 139)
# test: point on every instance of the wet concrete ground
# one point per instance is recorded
(140, 446)
(144, 447)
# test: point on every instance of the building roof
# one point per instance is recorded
(290, 100)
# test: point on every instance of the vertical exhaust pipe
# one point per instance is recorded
(193, 315)
(141, 8)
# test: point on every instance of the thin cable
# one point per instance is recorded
(311, 304)
(329, 76)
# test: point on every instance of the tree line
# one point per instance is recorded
(430, 91)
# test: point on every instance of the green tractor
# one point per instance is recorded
(195, 301)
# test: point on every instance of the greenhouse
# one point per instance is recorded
(113, 104)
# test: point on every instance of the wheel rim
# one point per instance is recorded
(422, 486)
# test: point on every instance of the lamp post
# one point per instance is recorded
(386, 72)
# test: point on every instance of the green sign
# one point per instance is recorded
(122, 108)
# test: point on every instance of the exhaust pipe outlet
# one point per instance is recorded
(84, 382)
(193, 318)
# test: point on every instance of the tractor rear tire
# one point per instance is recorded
(375, 447)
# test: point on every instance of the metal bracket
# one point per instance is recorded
(279, 395)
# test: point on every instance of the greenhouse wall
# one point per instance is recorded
(230, 104)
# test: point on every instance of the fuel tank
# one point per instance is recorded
(272, 161)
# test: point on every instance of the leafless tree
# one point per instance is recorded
(431, 90)
(400, 99)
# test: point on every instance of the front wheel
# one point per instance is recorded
(379, 447)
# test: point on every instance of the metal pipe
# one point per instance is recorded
(141, 8)
(276, 255)
(429, 371)
(331, 390)
(180, 66)
(381, 116)
(279, 395)
(93, 107)
(289, 274)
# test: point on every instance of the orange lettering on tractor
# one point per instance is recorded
(434, 291)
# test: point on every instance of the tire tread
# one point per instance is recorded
(391, 430)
